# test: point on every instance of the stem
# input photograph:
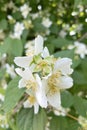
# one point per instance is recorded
(69, 115)
(19, 104)
(83, 37)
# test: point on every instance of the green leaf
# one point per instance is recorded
(3, 24)
(76, 3)
(58, 123)
(12, 46)
(54, 29)
(80, 105)
(38, 27)
(65, 53)
(79, 77)
(2, 73)
(66, 99)
(72, 124)
(27, 120)
(60, 42)
(13, 95)
(63, 123)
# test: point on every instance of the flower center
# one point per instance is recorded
(32, 99)
(53, 83)
(30, 84)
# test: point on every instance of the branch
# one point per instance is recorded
(83, 37)
(69, 115)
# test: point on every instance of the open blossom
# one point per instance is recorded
(34, 89)
(37, 49)
(18, 30)
(58, 80)
(43, 76)
(80, 49)
(46, 22)
(25, 10)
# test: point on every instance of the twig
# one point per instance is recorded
(19, 104)
(69, 115)
(83, 37)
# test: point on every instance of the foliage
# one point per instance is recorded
(61, 23)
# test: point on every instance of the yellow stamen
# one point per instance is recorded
(32, 99)
(52, 83)
(30, 84)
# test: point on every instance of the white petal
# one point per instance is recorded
(26, 104)
(26, 74)
(36, 108)
(19, 71)
(54, 100)
(65, 82)
(82, 56)
(40, 93)
(23, 61)
(63, 65)
(38, 44)
(22, 83)
(45, 52)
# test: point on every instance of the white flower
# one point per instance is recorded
(29, 46)
(35, 15)
(10, 70)
(83, 122)
(25, 10)
(1, 97)
(43, 76)
(80, 49)
(58, 80)
(73, 32)
(18, 30)
(33, 85)
(38, 48)
(74, 13)
(3, 121)
(46, 22)
(62, 33)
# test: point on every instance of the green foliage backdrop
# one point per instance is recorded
(61, 23)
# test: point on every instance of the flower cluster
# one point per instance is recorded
(43, 76)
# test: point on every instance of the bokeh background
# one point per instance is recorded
(63, 25)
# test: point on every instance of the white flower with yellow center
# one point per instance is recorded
(34, 88)
(38, 49)
(58, 80)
